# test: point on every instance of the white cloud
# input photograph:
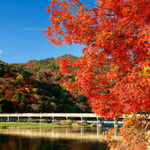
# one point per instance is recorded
(1, 51)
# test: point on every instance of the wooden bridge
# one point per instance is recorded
(52, 117)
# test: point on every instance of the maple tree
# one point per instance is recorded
(114, 33)
(113, 71)
(134, 133)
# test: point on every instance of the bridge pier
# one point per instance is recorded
(115, 123)
(29, 119)
(83, 120)
(99, 122)
(7, 119)
(53, 119)
(18, 119)
(67, 118)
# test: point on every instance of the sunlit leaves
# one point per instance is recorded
(115, 29)
(133, 134)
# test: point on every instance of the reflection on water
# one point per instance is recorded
(93, 134)
(20, 143)
(54, 139)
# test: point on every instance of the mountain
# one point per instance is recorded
(34, 87)
(51, 64)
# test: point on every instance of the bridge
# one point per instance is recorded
(52, 117)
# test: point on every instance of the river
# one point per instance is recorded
(53, 139)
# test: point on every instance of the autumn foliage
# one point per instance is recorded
(34, 87)
(113, 33)
(114, 70)
(134, 133)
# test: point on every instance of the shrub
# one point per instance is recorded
(20, 77)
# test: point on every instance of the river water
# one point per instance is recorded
(52, 139)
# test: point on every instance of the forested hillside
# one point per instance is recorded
(51, 64)
(35, 87)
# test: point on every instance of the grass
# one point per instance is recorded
(31, 125)
(121, 124)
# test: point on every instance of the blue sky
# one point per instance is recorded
(21, 40)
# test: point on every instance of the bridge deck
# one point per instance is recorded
(86, 115)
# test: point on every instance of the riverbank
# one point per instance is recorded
(32, 125)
